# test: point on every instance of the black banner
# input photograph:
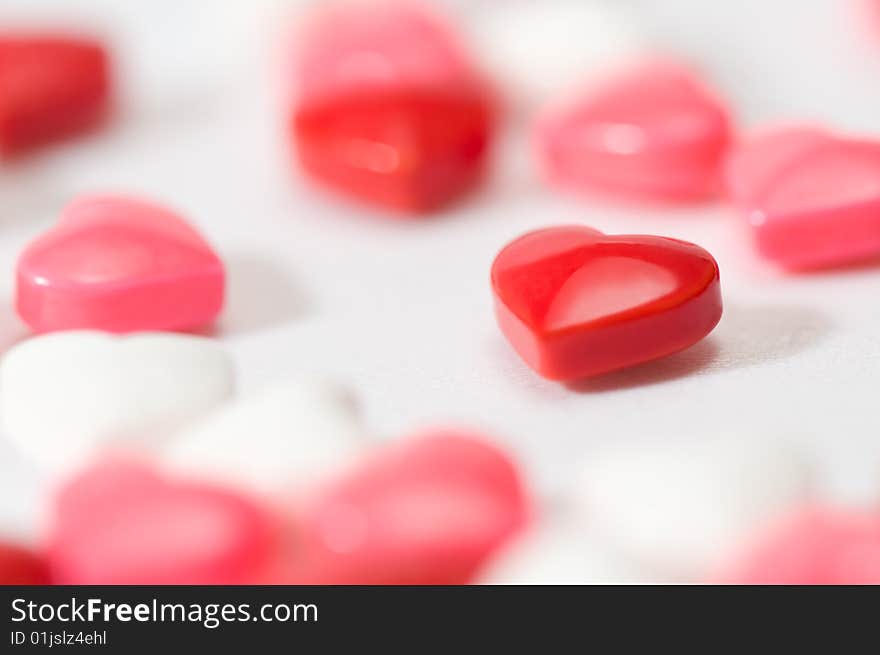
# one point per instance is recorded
(330, 619)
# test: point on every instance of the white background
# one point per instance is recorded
(401, 310)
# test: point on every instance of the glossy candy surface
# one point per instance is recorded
(51, 87)
(19, 566)
(120, 523)
(650, 133)
(811, 198)
(817, 546)
(120, 265)
(574, 302)
(427, 510)
(389, 109)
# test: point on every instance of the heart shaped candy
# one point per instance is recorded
(120, 265)
(812, 199)
(121, 523)
(676, 506)
(389, 107)
(815, 546)
(19, 566)
(66, 395)
(428, 510)
(344, 47)
(753, 165)
(560, 553)
(574, 302)
(652, 133)
(51, 87)
(282, 438)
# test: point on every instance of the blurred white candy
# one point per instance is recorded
(65, 396)
(560, 553)
(536, 50)
(283, 437)
(678, 506)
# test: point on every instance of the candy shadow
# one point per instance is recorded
(28, 195)
(866, 265)
(695, 360)
(260, 294)
(748, 335)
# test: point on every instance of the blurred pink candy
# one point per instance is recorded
(818, 546)
(428, 510)
(652, 132)
(811, 198)
(121, 265)
(347, 47)
(121, 523)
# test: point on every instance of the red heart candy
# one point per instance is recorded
(427, 510)
(120, 523)
(120, 265)
(817, 546)
(408, 150)
(574, 302)
(51, 87)
(389, 109)
(812, 199)
(652, 133)
(21, 567)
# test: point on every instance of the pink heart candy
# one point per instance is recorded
(120, 265)
(653, 132)
(428, 510)
(816, 546)
(811, 198)
(121, 523)
(348, 47)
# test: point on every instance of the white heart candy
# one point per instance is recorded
(283, 437)
(678, 506)
(67, 395)
(539, 49)
(560, 553)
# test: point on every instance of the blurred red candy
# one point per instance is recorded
(51, 87)
(121, 265)
(652, 133)
(19, 566)
(574, 302)
(121, 523)
(811, 198)
(389, 109)
(427, 510)
(819, 546)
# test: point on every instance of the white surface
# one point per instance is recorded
(542, 49)
(402, 310)
(67, 396)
